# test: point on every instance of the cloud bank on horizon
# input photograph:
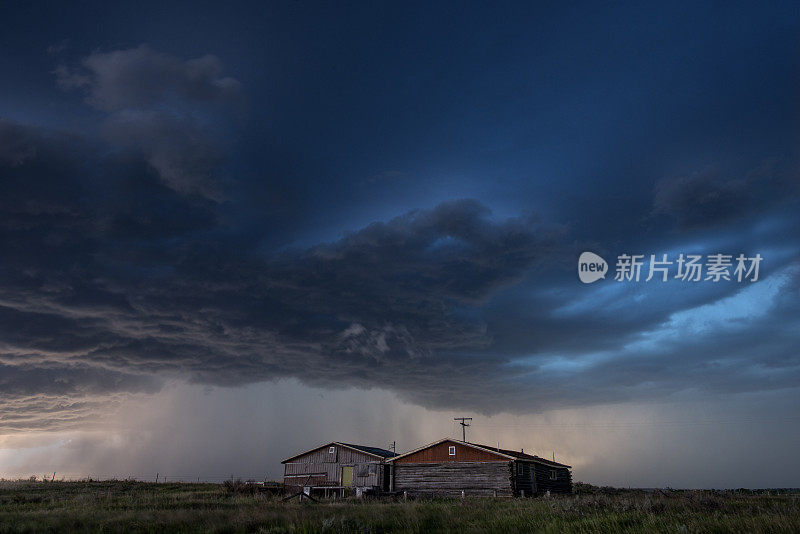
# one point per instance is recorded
(159, 243)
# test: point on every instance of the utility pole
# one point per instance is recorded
(394, 446)
(464, 425)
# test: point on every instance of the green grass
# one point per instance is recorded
(116, 506)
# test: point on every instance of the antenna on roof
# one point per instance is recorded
(464, 426)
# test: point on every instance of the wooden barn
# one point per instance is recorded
(336, 468)
(449, 467)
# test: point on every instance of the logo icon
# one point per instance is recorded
(591, 267)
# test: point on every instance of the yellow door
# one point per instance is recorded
(347, 475)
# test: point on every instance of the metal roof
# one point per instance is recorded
(522, 456)
(371, 450)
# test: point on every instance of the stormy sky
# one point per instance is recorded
(229, 233)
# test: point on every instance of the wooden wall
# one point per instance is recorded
(440, 453)
(524, 481)
(450, 478)
(544, 482)
(320, 468)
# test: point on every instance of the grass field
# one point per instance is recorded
(114, 506)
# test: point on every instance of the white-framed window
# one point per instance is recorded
(553, 474)
(520, 469)
(452, 450)
(331, 450)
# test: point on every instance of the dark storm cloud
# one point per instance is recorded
(143, 78)
(143, 290)
(111, 278)
(164, 106)
(711, 196)
(185, 157)
(123, 268)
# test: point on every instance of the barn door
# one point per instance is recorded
(347, 475)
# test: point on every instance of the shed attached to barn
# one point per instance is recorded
(336, 467)
(450, 467)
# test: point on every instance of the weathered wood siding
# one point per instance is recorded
(321, 468)
(450, 478)
(544, 481)
(523, 479)
(440, 453)
(342, 455)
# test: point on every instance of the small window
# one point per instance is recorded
(331, 450)
(520, 469)
(554, 475)
(452, 450)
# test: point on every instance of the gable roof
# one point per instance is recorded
(505, 453)
(373, 451)
(442, 441)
